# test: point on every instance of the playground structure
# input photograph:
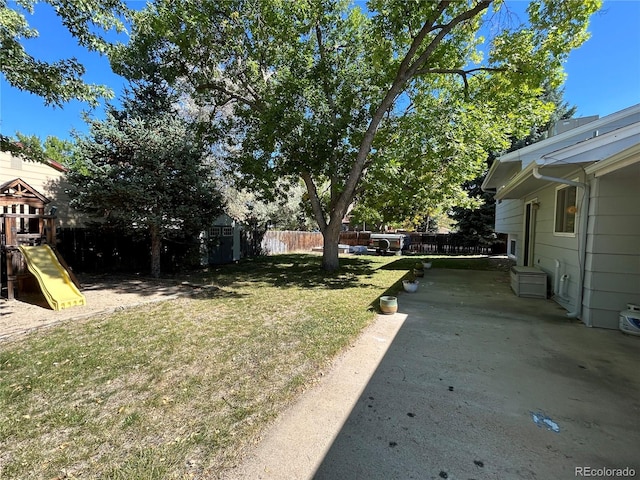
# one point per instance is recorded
(27, 241)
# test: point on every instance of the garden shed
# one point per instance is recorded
(223, 241)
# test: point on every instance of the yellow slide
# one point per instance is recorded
(54, 280)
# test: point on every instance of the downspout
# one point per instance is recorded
(582, 240)
(556, 278)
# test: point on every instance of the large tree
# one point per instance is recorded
(476, 224)
(312, 83)
(143, 168)
(59, 81)
(423, 161)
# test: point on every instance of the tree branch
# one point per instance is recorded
(323, 62)
(463, 73)
(219, 88)
(334, 112)
(406, 70)
(387, 102)
(417, 41)
(249, 89)
(424, 56)
(315, 201)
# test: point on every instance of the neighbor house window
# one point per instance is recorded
(227, 231)
(216, 231)
(565, 210)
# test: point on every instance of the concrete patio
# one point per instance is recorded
(466, 381)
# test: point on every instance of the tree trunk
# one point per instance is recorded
(330, 240)
(156, 248)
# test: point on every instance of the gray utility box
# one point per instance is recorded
(529, 282)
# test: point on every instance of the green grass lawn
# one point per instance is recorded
(179, 389)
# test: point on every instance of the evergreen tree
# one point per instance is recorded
(142, 168)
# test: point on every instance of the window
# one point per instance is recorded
(512, 248)
(565, 221)
(216, 231)
(227, 231)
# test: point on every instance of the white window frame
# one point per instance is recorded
(555, 212)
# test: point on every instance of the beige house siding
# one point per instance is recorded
(46, 180)
(612, 277)
(38, 175)
(594, 271)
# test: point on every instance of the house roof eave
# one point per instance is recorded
(505, 168)
(623, 117)
(499, 174)
(525, 183)
(508, 190)
(616, 162)
(597, 149)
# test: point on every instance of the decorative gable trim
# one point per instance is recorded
(18, 191)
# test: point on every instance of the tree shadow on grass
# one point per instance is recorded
(294, 270)
(404, 263)
(212, 292)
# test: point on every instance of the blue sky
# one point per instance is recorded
(603, 76)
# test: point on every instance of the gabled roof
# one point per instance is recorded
(510, 165)
(19, 191)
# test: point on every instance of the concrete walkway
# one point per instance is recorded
(467, 381)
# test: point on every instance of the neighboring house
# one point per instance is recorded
(46, 178)
(570, 205)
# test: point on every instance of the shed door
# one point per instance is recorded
(223, 252)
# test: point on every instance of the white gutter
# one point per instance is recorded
(582, 240)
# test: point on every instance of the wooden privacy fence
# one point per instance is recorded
(284, 241)
(276, 241)
(103, 249)
(111, 250)
(355, 238)
(117, 250)
(443, 243)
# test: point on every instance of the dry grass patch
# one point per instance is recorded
(179, 389)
